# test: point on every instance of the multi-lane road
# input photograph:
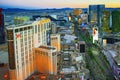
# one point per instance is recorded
(98, 65)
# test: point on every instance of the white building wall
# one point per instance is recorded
(22, 52)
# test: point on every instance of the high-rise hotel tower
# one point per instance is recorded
(22, 39)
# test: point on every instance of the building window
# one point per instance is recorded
(22, 49)
(29, 27)
(21, 29)
(38, 29)
(29, 32)
(35, 28)
(25, 42)
(45, 26)
(25, 28)
(33, 31)
(22, 63)
(16, 51)
(41, 27)
(16, 30)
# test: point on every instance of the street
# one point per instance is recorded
(96, 61)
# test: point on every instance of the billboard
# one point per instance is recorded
(95, 34)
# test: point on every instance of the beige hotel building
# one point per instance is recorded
(46, 59)
(22, 40)
(55, 41)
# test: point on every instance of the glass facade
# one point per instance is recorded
(95, 14)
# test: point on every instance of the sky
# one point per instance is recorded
(37, 4)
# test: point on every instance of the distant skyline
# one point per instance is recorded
(37, 4)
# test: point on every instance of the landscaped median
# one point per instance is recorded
(95, 60)
(93, 53)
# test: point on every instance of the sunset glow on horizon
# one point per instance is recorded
(35, 4)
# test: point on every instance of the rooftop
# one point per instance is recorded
(54, 35)
(82, 42)
(27, 23)
(68, 70)
(48, 47)
(19, 25)
(79, 59)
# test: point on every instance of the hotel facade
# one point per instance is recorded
(22, 39)
(46, 59)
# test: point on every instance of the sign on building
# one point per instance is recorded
(95, 34)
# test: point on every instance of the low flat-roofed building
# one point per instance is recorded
(68, 70)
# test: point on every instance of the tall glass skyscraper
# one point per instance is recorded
(95, 14)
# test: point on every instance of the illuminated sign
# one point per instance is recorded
(69, 18)
(95, 34)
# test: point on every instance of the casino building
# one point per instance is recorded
(22, 40)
